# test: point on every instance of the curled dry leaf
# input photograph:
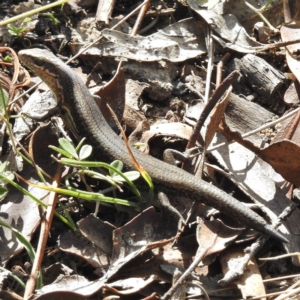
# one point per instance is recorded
(283, 156)
(215, 235)
(175, 130)
(113, 94)
(231, 34)
(290, 32)
(216, 117)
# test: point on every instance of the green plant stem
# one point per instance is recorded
(88, 195)
(261, 16)
(32, 12)
(16, 278)
(38, 201)
(76, 163)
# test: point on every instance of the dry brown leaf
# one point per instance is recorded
(66, 295)
(113, 93)
(227, 26)
(215, 118)
(143, 231)
(291, 97)
(98, 232)
(290, 32)
(175, 130)
(289, 130)
(215, 235)
(93, 255)
(177, 42)
(39, 150)
(22, 213)
(250, 284)
(283, 156)
(251, 177)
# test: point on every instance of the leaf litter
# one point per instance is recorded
(126, 252)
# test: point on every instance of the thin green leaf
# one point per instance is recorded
(85, 152)
(3, 166)
(61, 151)
(15, 31)
(38, 201)
(12, 27)
(54, 20)
(22, 239)
(80, 144)
(148, 179)
(68, 146)
(3, 193)
(131, 175)
(26, 20)
(3, 100)
(5, 173)
(118, 165)
(16, 278)
(67, 215)
(107, 178)
(28, 247)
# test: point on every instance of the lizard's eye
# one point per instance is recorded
(39, 62)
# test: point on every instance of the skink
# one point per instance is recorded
(83, 117)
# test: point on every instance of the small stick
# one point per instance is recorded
(44, 233)
(140, 18)
(220, 66)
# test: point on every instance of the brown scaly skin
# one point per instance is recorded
(84, 119)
